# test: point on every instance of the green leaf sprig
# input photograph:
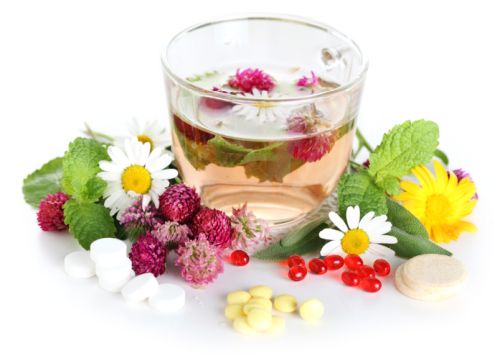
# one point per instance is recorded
(402, 148)
(76, 175)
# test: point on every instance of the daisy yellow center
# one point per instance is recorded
(145, 139)
(437, 208)
(136, 178)
(263, 105)
(355, 241)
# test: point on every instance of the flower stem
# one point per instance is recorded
(362, 142)
(96, 135)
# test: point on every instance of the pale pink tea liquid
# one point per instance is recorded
(284, 161)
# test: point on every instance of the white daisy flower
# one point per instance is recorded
(263, 112)
(358, 236)
(152, 132)
(132, 172)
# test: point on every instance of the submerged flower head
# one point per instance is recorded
(440, 202)
(172, 234)
(216, 226)
(308, 82)
(264, 111)
(151, 132)
(132, 172)
(50, 213)
(200, 261)
(248, 79)
(249, 232)
(359, 235)
(310, 148)
(148, 255)
(179, 203)
(138, 220)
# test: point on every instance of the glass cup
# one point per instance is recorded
(277, 143)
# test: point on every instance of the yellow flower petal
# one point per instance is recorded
(440, 202)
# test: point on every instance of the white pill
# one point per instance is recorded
(108, 252)
(115, 285)
(114, 273)
(140, 287)
(168, 298)
(79, 265)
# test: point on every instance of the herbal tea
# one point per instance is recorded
(282, 159)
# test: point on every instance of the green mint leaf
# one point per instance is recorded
(403, 219)
(229, 154)
(197, 154)
(88, 221)
(438, 153)
(403, 147)
(359, 189)
(46, 180)
(410, 245)
(80, 167)
(265, 154)
(198, 77)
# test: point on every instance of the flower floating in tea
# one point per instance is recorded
(265, 111)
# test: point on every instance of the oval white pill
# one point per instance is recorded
(79, 265)
(115, 285)
(168, 298)
(108, 252)
(140, 287)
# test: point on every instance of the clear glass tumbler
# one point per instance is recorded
(279, 139)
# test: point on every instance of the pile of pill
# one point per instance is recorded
(108, 260)
(113, 268)
(357, 273)
(430, 277)
(252, 311)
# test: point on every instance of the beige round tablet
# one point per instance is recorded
(402, 287)
(433, 272)
(424, 286)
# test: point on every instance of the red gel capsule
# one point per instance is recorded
(317, 266)
(297, 273)
(382, 267)
(353, 261)
(365, 272)
(350, 278)
(371, 284)
(333, 262)
(239, 258)
(296, 260)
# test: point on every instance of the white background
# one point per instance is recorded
(64, 63)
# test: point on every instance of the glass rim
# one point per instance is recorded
(262, 16)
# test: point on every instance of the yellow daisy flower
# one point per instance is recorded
(440, 202)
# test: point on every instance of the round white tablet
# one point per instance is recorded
(79, 265)
(140, 287)
(114, 273)
(115, 285)
(108, 252)
(168, 298)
